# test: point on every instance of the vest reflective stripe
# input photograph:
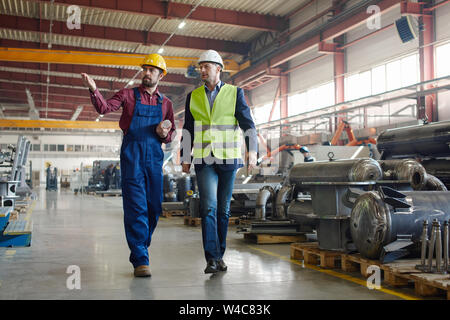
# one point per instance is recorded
(218, 145)
(216, 129)
(204, 127)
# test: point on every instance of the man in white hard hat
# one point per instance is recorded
(213, 115)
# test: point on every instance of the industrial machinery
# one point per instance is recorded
(51, 179)
(178, 193)
(352, 141)
(427, 142)
(97, 180)
(17, 232)
(12, 181)
(386, 223)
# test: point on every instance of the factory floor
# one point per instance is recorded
(87, 232)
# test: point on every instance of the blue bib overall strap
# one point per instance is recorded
(141, 160)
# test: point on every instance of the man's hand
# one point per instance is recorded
(186, 167)
(251, 160)
(163, 130)
(88, 82)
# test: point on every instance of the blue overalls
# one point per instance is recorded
(141, 159)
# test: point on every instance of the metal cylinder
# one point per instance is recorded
(357, 170)
(445, 245)
(302, 213)
(432, 245)
(438, 248)
(183, 186)
(374, 223)
(168, 184)
(280, 202)
(424, 240)
(429, 139)
(407, 169)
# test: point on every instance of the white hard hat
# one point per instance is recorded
(211, 56)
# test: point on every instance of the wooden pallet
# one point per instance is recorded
(355, 262)
(189, 221)
(262, 238)
(403, 272)
(174, 213)
(105, 194)
(310, 253)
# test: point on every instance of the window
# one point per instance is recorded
(378, 79)
(390, 76)
(77, 148)
(394, 80)
(60, 147)
(442, 60)
(52, 147)
(297, 104)
(261, 114)
(69, 148)
(45, 147)
(36, 147)
(320, 97)
(409, 70)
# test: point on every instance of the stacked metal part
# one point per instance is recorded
(435, 247)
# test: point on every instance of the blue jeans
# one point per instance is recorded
(215, 188)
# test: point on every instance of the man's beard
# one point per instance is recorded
(147, 82)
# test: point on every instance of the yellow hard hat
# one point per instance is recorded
(155, 60)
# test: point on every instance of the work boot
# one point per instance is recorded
(211, 267)
(221, 265)
(142, 271)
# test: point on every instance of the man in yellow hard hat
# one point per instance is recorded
(147, 121)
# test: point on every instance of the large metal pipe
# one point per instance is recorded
(440, 168)
(407, 169)
(357, 170)
(424, 140)
(433, 183)
(380, 218)
(281, 202)
(264, 195)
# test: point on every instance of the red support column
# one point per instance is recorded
(284, 87)
(426, 58)
(339, 71)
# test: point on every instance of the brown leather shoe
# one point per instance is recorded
(142, 271)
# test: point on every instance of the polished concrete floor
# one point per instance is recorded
(87, 232)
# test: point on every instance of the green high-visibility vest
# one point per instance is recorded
(216, 130)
